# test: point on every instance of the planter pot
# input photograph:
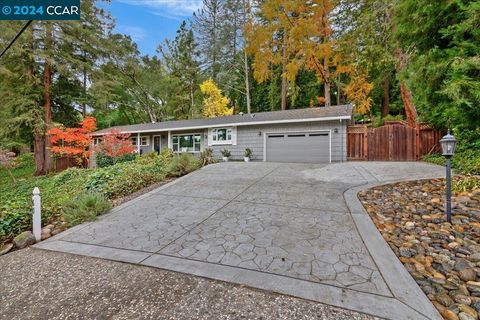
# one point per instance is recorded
(246, 159)
(225, 159)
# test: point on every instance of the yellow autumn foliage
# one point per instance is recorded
(215, 104)
(357, 92)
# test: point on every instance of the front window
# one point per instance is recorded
(144, 141)
(134, 140)
(222, 135)
(187, 143)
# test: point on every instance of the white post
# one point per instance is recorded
(37, 214)
(138, 143)
(170, 142)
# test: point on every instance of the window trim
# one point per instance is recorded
(134, 140)
(187, 134)
(147, 143)
(213, 133)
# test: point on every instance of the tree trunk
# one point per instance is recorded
(39, 152)
(339, 90)
(39, 142)
(246, 6)
(47, 106)
(84, 105)
(247, 82)
(284, 80)
(326, 84)
(386, 96)
(410, 111)
(192, 105)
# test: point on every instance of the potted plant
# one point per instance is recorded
(248, 153)
(226, 154)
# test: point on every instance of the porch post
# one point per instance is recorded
(138, 142)
(169, 140)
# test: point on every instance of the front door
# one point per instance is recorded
(157, 143)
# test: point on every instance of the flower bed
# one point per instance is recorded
(443, 258)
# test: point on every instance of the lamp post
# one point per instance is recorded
(448, 143)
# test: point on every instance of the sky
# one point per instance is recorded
(149, 22)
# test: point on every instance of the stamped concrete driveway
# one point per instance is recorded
(296, 229)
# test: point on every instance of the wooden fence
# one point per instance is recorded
(64, 163)
(391, 142)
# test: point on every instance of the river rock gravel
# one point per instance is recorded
(442, 257)
(38, 284)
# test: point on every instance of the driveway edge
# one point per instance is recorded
(400, 282)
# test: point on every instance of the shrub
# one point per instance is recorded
(464, 162)
(182, 164)
(57, 191)
(104, 161)
(226, 153)
(248, 152)
(466, 183)
(207, 157)
(166, 154)
(85, 207)
(126, 157)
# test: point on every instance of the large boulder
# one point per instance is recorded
(6, 248)
(24, 239)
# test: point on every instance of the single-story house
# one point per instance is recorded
(311, 135)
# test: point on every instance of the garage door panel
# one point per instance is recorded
(298, 147)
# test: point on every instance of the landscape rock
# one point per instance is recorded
(24, 239)
(465, 316)
(470, 311)
(442, 257)
(468, 274)
(6, 248)
(444, 299)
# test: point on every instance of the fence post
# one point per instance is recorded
(365, 143)
(37, 214)
(417, 142)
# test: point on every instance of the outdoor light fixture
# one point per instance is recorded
(448, 144)
(259, 133)
(335, 130)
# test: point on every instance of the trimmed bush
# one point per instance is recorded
(182, 164)
(85, 207)
(126, 158)
(104, 161)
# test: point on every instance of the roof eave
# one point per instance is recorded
(347, 117)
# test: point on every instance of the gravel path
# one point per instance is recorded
(37, 284)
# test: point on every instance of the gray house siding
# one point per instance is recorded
(253, 137)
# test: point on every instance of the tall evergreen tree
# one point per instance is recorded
(181, 59)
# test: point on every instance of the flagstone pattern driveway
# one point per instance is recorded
(291, 228)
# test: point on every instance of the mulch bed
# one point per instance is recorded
(443, 258)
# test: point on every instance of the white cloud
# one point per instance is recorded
(168, 8)
(136, 33)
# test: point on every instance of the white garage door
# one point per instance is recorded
(307, 147)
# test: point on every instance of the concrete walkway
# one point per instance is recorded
(295, 229)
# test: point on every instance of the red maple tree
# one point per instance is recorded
(115, 144)
(73, 142)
